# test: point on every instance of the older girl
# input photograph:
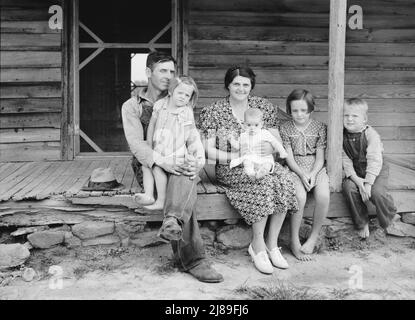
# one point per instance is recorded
(305, 141)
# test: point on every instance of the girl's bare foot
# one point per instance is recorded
(308, 246)
(364, 233)
(158, 205)
(296, 251)
(143, 199)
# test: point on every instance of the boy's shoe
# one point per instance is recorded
(205, 273)
(170, 230)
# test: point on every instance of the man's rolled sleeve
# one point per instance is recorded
(133, 130)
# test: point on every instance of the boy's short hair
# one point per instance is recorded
(360, 103)
(300, 94)
(155, 57)
(253, 112)
(188, 81)
(235, 71)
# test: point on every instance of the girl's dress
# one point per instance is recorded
(304, 143)
(254, 200)
(175, 132)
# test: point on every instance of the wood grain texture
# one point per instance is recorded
(23, 41)
(29, 135)
(52, 90)
(30, 120)
(33, 151)
(30, 105)
(30, 75)
(27, 59)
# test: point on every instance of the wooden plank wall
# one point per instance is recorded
(31, 77)
(286, 43)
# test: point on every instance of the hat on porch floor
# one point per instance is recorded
(102, 179)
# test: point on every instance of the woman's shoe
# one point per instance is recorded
(261, 261)
(277, 259)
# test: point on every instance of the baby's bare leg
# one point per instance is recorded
(160, 178)
(147, 197)
(263, 170)
(249, 168)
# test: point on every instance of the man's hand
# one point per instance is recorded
(191, 168)
(368, 191)
(170, 167)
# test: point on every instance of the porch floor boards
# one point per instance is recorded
(40, 180)
(52, 194)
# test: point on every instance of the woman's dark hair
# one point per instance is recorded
(300, 94)
(235, 71)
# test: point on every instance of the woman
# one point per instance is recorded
(261, 200)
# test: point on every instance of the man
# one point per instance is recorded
(180, 225)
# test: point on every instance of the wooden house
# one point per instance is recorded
(66, 69)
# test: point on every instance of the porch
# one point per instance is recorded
(49, 192)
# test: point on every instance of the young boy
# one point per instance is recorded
(255, 166)
(366, 172)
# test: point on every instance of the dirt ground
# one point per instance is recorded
(345, 268)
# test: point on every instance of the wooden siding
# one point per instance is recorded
(31, 78)
(286, 43)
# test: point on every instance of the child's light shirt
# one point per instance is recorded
(175, 132)
(374, 156)
(252, 142)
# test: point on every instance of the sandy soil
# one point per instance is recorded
(386, 267)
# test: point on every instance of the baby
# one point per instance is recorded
(255, 165)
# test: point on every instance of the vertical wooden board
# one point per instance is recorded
(336, 92)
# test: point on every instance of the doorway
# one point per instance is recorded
(113, 40)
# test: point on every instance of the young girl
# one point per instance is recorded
(173, 134)
(305, 141)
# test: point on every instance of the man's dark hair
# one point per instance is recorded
(158, 57)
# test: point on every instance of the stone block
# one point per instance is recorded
(13, 255)
(104, 240)
(92, 229)
(147, 239)
(46, 239)
(71, 241)
(408, 217)
(234, 236)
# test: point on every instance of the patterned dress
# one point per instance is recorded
(304, 144)
(254, 200)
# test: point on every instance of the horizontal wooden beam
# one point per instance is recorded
(97, 45)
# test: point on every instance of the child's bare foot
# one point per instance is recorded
(158, 205)
(308, 246)
(364, 233)
(296, 251)
(143, 199)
